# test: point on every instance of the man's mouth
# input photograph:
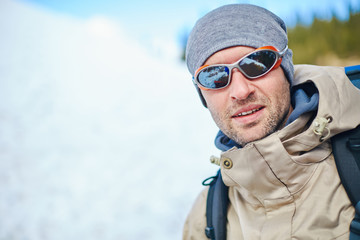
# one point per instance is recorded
(248, 112)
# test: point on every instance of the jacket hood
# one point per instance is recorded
(337, 96)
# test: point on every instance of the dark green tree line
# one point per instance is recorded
(326, 38)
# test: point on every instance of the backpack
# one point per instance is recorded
(346, 150)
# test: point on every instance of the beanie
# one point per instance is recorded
(237, 25)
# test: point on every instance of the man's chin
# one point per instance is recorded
(243, 140)
(250, 135)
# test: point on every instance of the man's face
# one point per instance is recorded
(248, 110)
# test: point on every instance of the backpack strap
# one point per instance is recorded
(346, 149)
(216, 208)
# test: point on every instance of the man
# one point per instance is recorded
(275, 128)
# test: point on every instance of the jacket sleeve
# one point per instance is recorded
(194, 227)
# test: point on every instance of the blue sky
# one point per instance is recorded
(170, 19)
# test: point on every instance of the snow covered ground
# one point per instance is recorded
(100, 138)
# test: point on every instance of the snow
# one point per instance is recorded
(100, 137)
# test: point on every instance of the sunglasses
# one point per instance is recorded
(253, 65)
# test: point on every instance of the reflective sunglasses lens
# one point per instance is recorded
(214, 77)
(258, 63)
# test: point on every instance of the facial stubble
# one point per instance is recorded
(275, 120)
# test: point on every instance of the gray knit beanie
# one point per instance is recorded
(237, 25)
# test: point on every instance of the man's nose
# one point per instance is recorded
(240, 87)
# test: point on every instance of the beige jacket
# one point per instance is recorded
(286, 185)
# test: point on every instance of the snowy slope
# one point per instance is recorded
(99, 138)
